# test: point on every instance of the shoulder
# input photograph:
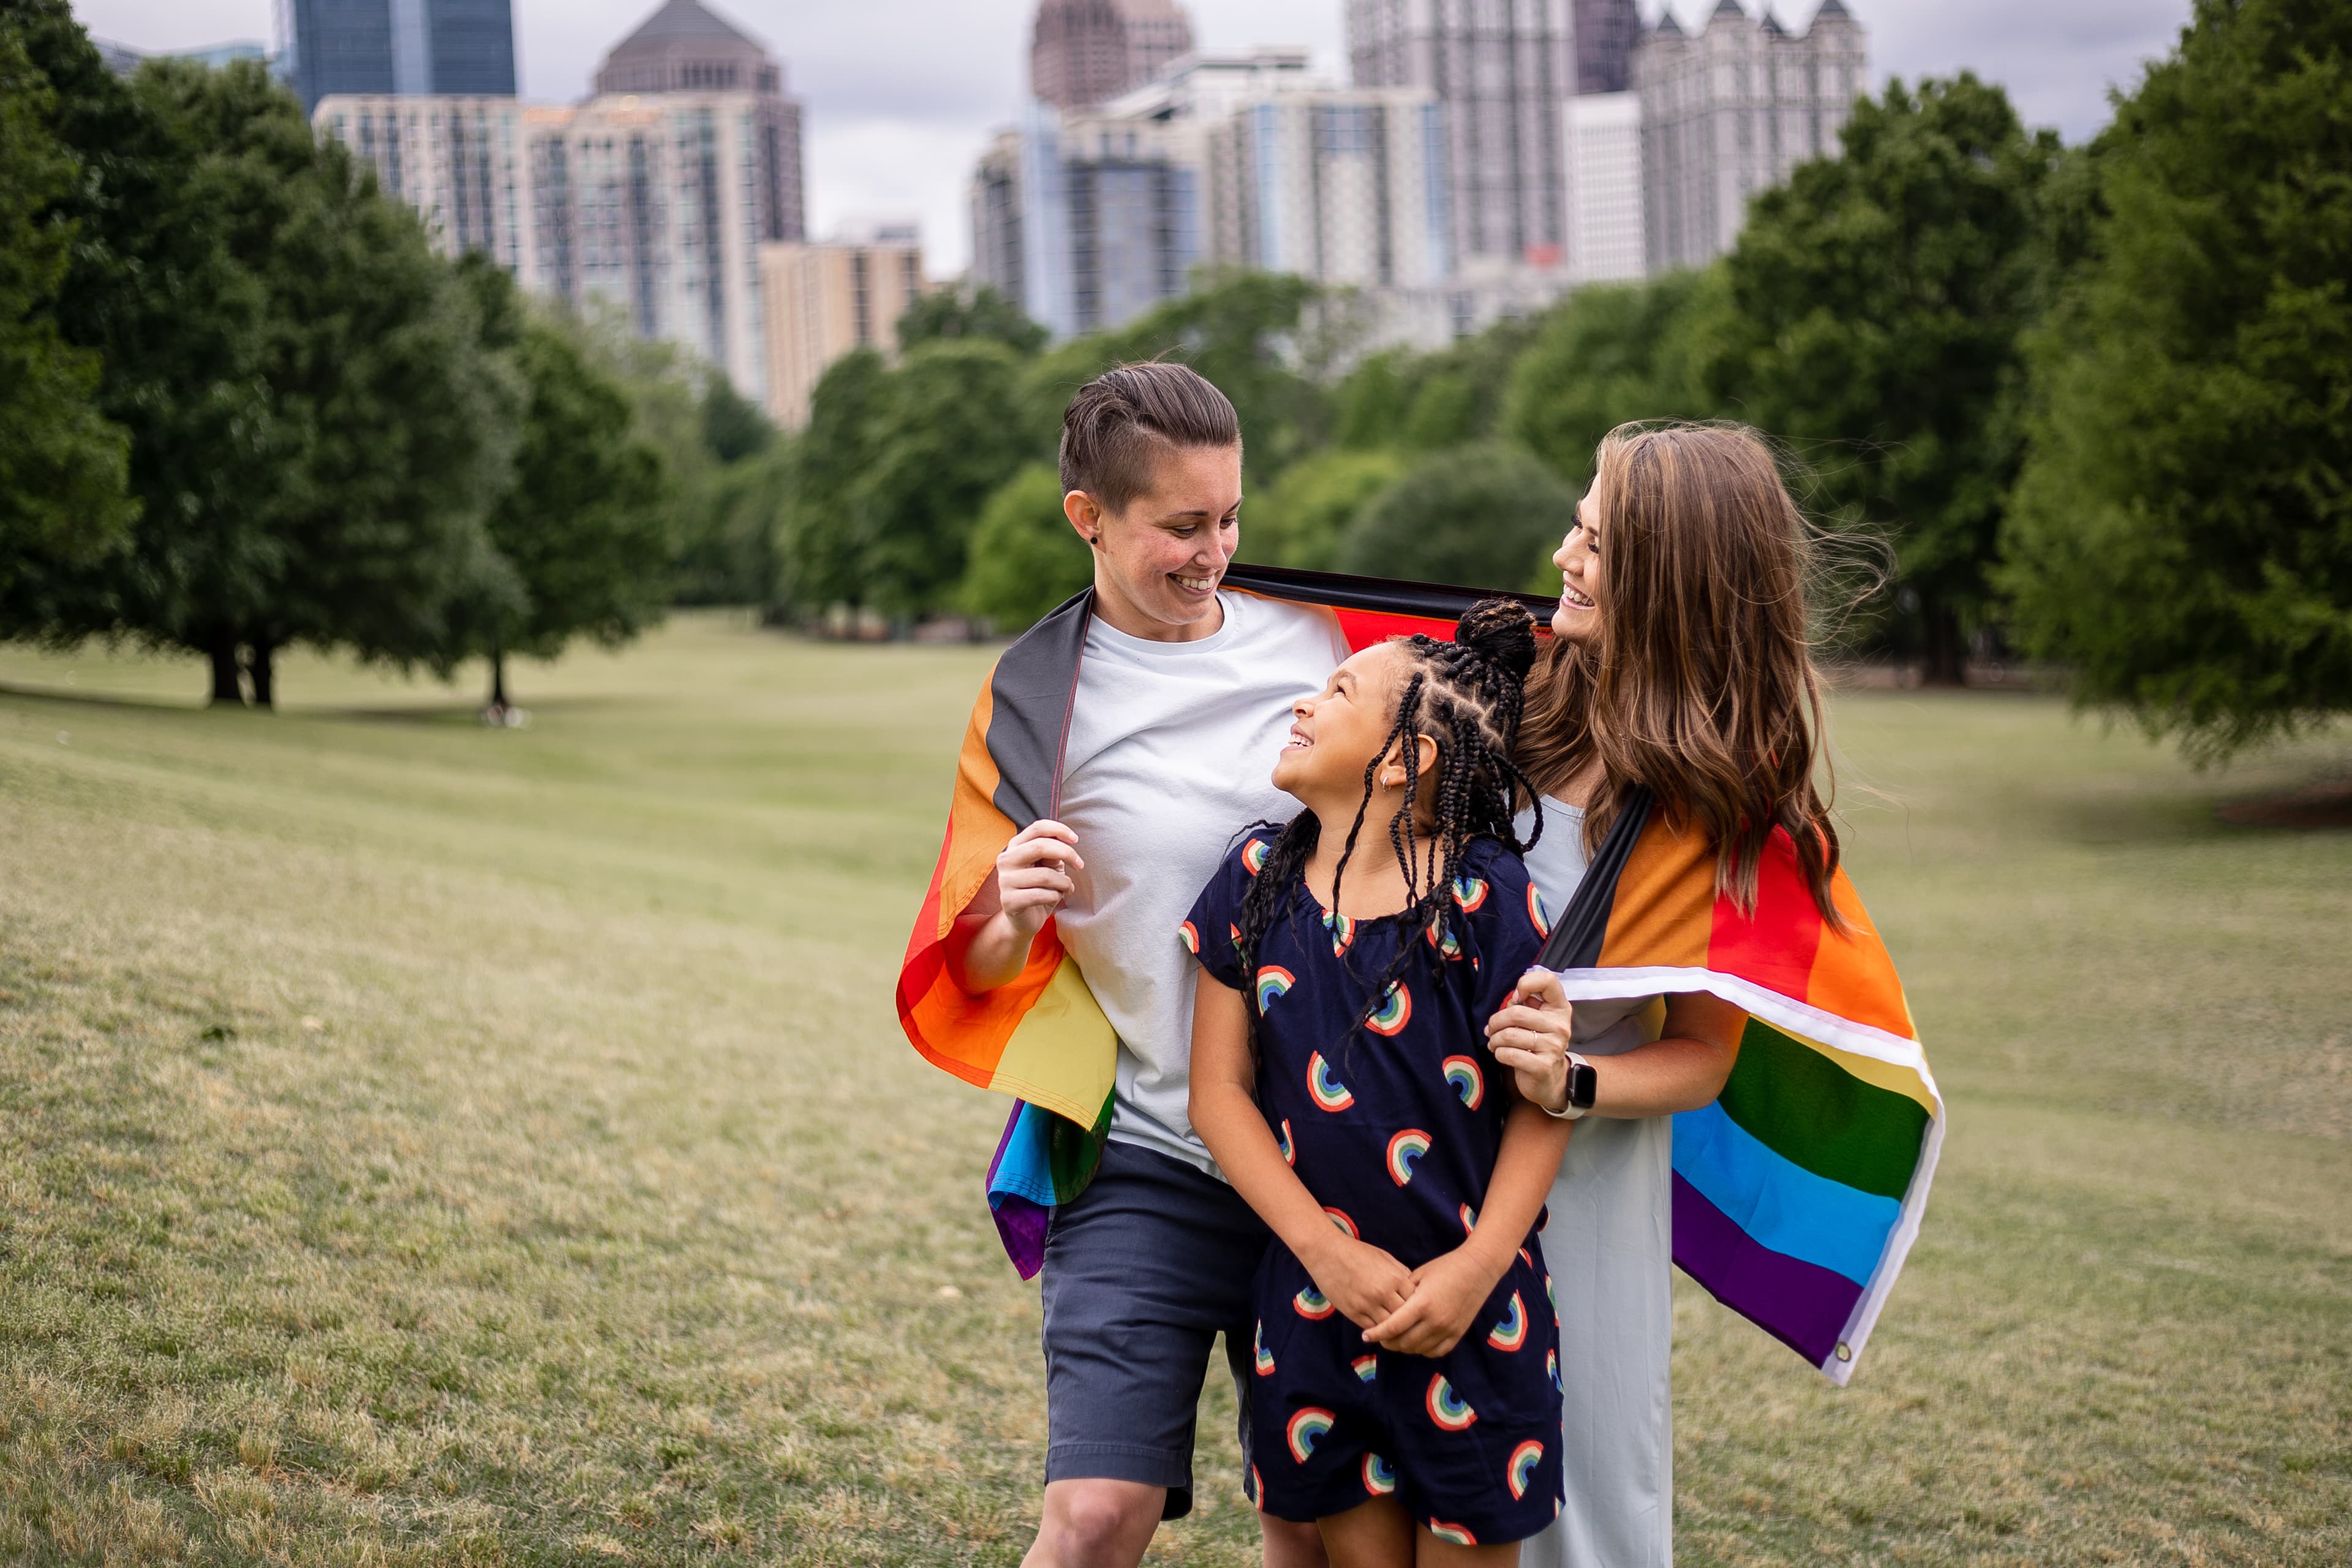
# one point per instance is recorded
(1495, 890)
(1308, 632)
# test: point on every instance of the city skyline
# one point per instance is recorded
(895, 131)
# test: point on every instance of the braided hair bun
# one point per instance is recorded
(1502, 630)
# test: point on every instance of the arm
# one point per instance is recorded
(1683, 1069)
(989, 944)
(1361, 1280)
(1448, 1291)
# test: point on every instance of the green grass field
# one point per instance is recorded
(425, 1145)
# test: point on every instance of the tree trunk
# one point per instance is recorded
(1944, 659)
(260, 663)
(228, 691)
(498, 680)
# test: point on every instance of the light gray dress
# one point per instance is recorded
(1610, 1249)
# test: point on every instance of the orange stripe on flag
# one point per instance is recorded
(1853, 976)
(1660, 915)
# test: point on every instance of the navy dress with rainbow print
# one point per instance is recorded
(1394, 1127)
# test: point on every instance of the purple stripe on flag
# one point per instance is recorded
(1803, 1306)
(1020, 1226)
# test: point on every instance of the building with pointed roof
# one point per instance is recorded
(1731, 109)
(687, 47)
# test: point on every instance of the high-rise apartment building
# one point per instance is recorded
(1605, 189)
(827, 299)
(1086, 220)
(1503, 70)
(1343, 186)
(1087, 52)
(654, 198)
(412, 48)
(1728, 111)
(462, 163)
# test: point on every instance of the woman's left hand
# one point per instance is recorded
(1531, 1035)
(1439, 1308)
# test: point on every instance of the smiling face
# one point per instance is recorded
(1578, 619)
(1336, 732)
(1158, 560)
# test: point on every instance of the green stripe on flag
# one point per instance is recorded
(1804, 1106)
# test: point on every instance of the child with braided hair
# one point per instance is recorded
(1406, 1394)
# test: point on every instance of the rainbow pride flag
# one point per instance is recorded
(1796, 1195)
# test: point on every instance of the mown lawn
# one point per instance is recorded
(424, 1144)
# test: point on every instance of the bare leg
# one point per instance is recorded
(1375, 1534)
(1431, 1553)
(1290, 1545)
(1096, 1523)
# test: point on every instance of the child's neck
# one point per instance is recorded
(1376, 884)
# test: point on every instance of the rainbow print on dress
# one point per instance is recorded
(1797, 1194)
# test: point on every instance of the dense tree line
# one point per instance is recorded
(243, 405)
(2091, 403)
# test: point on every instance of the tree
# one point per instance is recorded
(1482, 516)
(940, 445)
(1371, 402)
(1877, 304)
(315, 429)
(1605, 356)
(958, 311)
(817, 545)
(733, 426)
(2182, 535)
(580, 530)
(64, 466)
(1237, 329)
(1302, 517)
(1025, 557)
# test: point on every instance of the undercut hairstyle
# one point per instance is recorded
(1467, 695)
(1702, 685)
(1120, 422)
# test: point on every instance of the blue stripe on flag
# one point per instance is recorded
(1024, 1166)
(1778, 1202)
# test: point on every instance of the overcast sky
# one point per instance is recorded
(900, 94)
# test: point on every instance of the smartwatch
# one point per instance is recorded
(1583, 1083)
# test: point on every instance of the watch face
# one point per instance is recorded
(1582, 1082)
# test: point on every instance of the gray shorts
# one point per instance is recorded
(1143, 1272)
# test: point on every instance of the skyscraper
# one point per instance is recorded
(654, 195)
(1086, 220)
(1085, 52)
(828, 300)
(1606, 33)
(406, 46)
(1341, 185)
(1502, 69)
(1730, 111)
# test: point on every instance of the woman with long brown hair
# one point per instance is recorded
(1682, 666)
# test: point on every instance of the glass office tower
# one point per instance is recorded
(397, 46)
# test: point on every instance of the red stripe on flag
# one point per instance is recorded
(1362, 628)
(1774, 947)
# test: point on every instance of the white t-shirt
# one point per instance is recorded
(1171, 754)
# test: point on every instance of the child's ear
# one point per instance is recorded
(1392, 767)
